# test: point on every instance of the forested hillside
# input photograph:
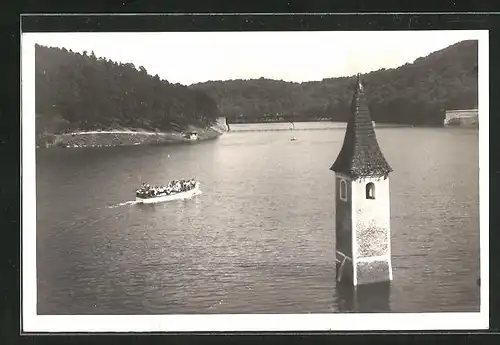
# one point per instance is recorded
(82, 92)
(416, 93)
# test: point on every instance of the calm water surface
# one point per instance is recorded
(260, 238)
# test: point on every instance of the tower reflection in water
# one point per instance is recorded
(369, 298)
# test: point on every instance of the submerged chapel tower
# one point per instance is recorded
(362, 224)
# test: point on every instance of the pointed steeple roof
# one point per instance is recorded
(360, 155)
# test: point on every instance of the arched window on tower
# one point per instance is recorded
(370, 190)
(343, 190)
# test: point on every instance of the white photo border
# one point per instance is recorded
(31, 322)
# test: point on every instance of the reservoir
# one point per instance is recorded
(260, 237)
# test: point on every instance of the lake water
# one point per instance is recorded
(260, 238)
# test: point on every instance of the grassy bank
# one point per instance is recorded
(128, 137)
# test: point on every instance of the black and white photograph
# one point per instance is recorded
(255, 181)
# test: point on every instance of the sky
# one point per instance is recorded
(191, 57)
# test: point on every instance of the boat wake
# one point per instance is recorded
(198, 192)
(126, 203)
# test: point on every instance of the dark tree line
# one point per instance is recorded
(418, 93)
(82, 92)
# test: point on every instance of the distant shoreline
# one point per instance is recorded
(114, 132)
(133, 137)
(130, 137)
(299, 126)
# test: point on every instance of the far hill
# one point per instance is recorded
(416, 93)
(81, 92)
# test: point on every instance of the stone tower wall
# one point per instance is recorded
(371, 227)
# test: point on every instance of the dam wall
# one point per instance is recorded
(297, 126)
(221, 124)
(462, 117)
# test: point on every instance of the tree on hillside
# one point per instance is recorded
(415, 93)
(90, 93)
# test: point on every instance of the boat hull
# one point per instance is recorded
(163, 198)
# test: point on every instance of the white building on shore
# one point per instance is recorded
(463, 117)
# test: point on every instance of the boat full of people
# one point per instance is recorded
(174, 190)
